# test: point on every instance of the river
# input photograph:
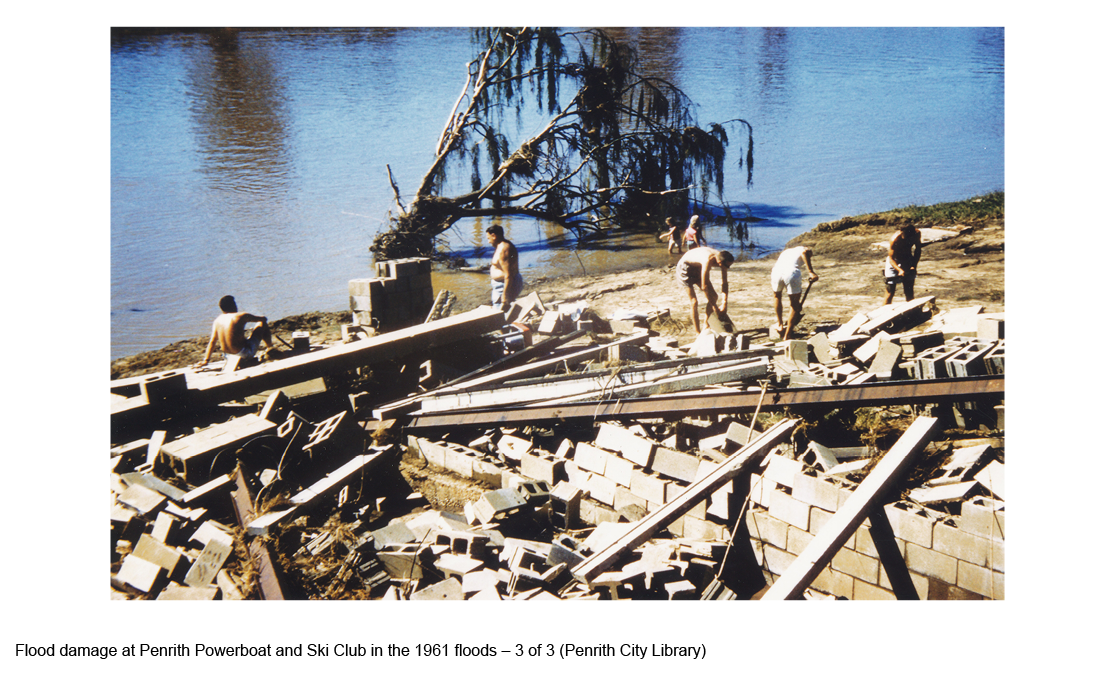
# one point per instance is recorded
(253, 163)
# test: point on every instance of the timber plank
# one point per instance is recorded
(860, 504)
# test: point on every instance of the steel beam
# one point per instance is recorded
(674, 407)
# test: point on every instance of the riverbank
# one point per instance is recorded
(966, 269)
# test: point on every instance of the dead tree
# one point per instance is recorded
(620, 149)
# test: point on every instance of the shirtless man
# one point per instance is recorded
(228, 332)
(507, 282)
(902, 261)
(693, 271)
(786, 275)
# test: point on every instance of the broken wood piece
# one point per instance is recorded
(745, 459)
(848, 517)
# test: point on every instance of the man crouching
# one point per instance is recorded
(229, 332)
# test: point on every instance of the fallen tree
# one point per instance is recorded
(622, 148)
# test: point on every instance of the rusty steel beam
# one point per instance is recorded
(675, 407)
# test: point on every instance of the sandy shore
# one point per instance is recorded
(965, 270)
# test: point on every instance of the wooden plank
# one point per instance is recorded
(270, 584)
(745, 459)
(863, 500)
(134, 414)
(681, 405)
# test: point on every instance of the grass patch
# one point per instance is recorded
(976, 209)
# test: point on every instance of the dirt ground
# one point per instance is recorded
(967, 270)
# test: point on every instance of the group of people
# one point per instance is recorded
(695, 266)
(693, 271)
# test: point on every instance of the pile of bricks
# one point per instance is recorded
(400, 295)
(195, 510)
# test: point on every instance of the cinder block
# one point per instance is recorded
(637, 449)
(769, 529)
(976, 579)
(591, 458)
(782, 470)
(797, 540)
(983, 517)
(794, 512)
(703, 530)
(980, 551)
(676, 465)
(777, 561)
(140, 573)
(864, 543)
(911, 523)
(816, 491)
(865, 591)
(541, 466)
(601, 489)
(834, 583)
(761, 488)
(649, 487)
(619, 470)
(857, 565)
(931, 563)
(458, 461)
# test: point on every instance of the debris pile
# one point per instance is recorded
(553, 454)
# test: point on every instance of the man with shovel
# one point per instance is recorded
(786, 275)
(693, 271)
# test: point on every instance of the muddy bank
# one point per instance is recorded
(965, 270)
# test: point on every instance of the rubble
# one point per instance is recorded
(567, 457)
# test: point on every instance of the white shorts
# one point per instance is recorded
(780, 282)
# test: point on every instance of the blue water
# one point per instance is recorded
(256, 165)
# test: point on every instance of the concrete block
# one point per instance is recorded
(931, 563)
(676, 465)
(487, 472)
(498, 504)
(783, 506)
(619, 470)
(797, 540)
(212, 559)
(816, 491)
(458, 461)
(994, 478)
(976, 579)
(979, 551)
(857, 565)
(513, 448)
(983, 517)
(142, 499)
(769, 529)
(863, 543)
(701, 529)
(169, 558)
(946, 493)
(865, 591)
(699, 508)
(991, 327)
(834, 583)
(140, 574)
(648, 487)
(591, 458)
(782, 470)
(446, 590)
(911, 523)
(177, 592)
(886, 360)
(541, 466)
(777, 560)
(761, 488)
(601, 489)
(637, 449)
